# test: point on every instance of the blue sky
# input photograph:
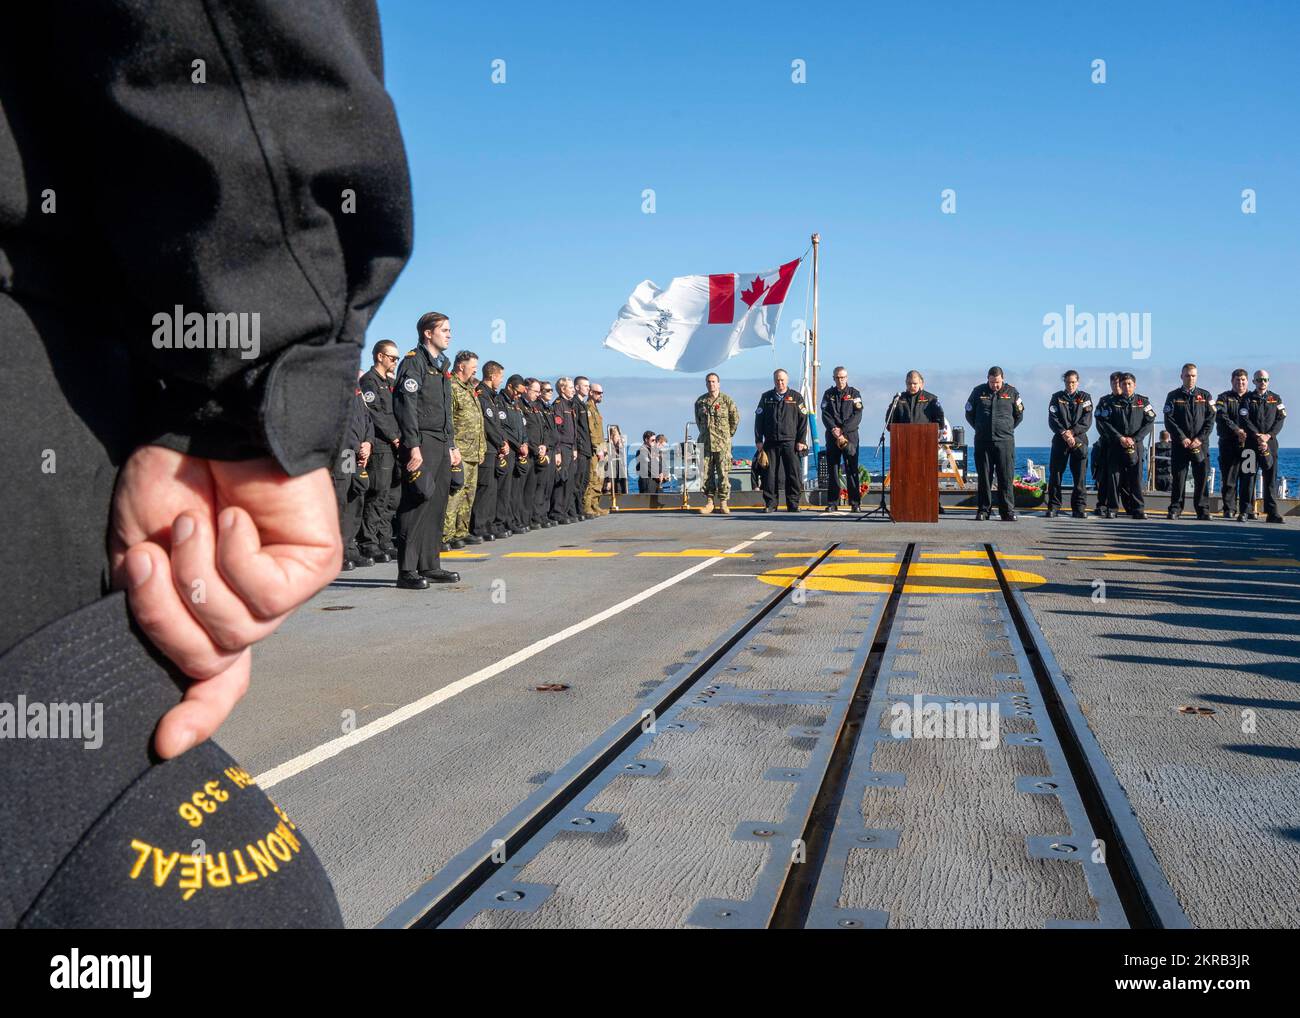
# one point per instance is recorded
(1115, 197)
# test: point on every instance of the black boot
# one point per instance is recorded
(412, 581)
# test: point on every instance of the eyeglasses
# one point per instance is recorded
(1261, 378)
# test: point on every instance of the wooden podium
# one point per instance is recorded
(913, 472)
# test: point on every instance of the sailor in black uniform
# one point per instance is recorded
(841, 415)
(1069, 415)
(422, 406)
(781, 431)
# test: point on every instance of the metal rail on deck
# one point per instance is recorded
(448, 889)
(1144, 891)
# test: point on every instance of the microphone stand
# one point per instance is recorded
(882, 509)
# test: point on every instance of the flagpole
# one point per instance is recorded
(816, 243)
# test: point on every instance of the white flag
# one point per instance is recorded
(697, 322)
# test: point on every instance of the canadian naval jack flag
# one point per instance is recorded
(697, 322)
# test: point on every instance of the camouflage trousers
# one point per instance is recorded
(595, 480)
(455, 524)
(717, 470)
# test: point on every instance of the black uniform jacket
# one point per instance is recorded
(922, 408)
(277, 186)
(780, 417)
(1126, 417)
(1230, 412)
(995, 415)
(422, 397)
(1189, 415)
(842, 410)
(1070, 412)
(1266, 414)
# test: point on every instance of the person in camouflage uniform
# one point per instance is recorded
(599, 453)
(717, 417)
(467, 426)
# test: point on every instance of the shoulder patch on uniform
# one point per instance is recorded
(368, 395)
(411, 385)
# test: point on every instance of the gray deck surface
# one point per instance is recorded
(1220, 806)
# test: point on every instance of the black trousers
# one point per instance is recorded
(544, 488)
(1238, 486)
(784, 455)
(1180, 460)
(1061, 457)
(995, 458)
(1126, 478)
(561, 499)
(419, 522)
(526, 491)
(1267, 466)
(851, 483)
(1101, 475)
(506, 481)
(350, 497)
(380, 498)
(579, 475)
(482, 518)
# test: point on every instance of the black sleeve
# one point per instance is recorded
(364, 422)
(492, 429)
(1085, 422)
(1054, 421)
(1208, 426)
(1105, 429)
(225, 197)
(385, 424)
(406, 400)
(853, 419)
(1148, 423)
(1280, 418)
(1171, 424)
(1017, 409)
(801, 435)
(758, 423)
(936, 413)
(970, 408)
(830, 416)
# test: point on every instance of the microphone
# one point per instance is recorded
(889, 415)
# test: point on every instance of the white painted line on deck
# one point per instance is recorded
(334, 747)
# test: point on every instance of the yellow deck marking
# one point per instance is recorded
(464, 554)
(839, 553)
(695, 553)
(969, 553)
(861, 577)
(561, 553)
(1114, 556)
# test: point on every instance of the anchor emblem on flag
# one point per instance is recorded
(659, 332)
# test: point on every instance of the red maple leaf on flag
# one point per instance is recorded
(756, 290)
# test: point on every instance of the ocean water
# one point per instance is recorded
(1288, 463)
